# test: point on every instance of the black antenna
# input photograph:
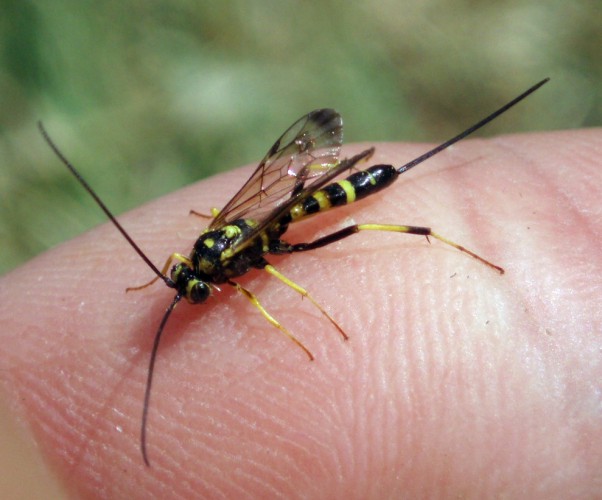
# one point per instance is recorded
(149, 377)
(100, 203)
(470, 130)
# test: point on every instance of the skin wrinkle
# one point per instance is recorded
(278, 487)
(271, 416)
(352, 462)
(279, 437)
(557, 186)
(391, 377)
(471, 196)
(569, 213)
(215, 485)
(344, 462)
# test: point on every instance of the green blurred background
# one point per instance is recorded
(147, 96)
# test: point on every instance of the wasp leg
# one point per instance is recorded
(214, 213)
(255, 301)
(304, 293)
(174, 256)
(348, 231)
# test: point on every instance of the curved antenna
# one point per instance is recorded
(470, 130)
(101, 204)
(149, 377)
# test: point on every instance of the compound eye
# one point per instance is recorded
(197, 291)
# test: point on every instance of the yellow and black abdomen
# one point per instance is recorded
(355, 187)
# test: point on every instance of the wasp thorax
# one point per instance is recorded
(188, 284)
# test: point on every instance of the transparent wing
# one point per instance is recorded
(308, 149)
(298, 195)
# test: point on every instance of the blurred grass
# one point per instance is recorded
(147, 96)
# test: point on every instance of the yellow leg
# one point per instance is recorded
(255, 301)
(172, 257)
(272, 270)
(466, 250)
(214, 213)
(349, 230)
(413, 230)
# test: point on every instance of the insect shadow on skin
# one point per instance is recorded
(295, 180)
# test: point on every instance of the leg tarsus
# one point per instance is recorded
(214, 214)
(255, 301)
(304, 293)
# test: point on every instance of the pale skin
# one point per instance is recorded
(456, 381)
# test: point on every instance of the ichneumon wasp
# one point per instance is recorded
(296, 179)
